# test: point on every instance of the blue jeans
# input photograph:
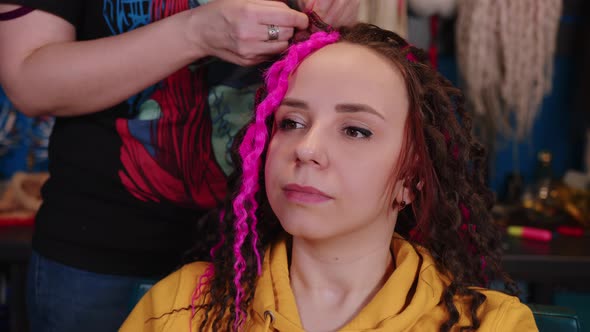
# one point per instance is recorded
(62, 299)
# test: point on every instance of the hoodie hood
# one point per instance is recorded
(409, 301)
(414, 288)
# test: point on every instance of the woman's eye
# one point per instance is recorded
(288, 124)
(355, 132)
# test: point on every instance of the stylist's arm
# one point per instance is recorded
(337, 13)
(238, 30)
(86, 75)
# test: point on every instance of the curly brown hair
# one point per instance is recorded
(440, 161)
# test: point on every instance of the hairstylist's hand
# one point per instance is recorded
(337, 13)
(238, 30)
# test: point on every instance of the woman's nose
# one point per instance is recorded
(311, 150)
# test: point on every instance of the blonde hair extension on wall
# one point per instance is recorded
(386, 14)
(505, 52)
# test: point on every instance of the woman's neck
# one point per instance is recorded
(333, 280)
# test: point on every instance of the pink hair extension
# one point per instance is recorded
(203, 280)
(252, 147)
(208, 275)
(469, 227)
(466, 227)
(465, 213)
(410, 56)
(484, 264)
(217, 246)
(455, 151)
(447, 136)
(454, 148)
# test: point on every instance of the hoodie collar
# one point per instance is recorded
(413, 288)
(274, 297)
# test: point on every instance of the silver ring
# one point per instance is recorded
(273, 32)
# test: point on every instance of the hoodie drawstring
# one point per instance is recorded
(269, 317)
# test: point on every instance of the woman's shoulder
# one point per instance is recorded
(503, 312)
(166, 300)
(179, 283)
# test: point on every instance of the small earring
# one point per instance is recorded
(402, 205)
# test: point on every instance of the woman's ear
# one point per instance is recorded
(403, 195)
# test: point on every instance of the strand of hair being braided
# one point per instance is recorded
(250, 151)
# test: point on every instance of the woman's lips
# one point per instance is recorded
(305, 194)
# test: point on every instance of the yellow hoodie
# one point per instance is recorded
(394, 308)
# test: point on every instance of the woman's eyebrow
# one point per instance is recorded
(296, 103)
(353, 108)
(340, 108)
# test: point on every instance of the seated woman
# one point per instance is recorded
(359, 205)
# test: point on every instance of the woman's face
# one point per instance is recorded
(336, 141)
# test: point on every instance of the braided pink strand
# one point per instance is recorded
(251, 149)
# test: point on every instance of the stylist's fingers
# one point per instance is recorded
(256, 53)
(260, 32)
(239, 31)
(283, 17)
(273, 47)
(349, 12)
(240, 60)
(337, 13)
(325, 6)
(273, 3)
(285, 33)
(332, 16)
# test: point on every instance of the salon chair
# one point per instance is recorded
(552, 318)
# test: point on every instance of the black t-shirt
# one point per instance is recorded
(127, 184)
